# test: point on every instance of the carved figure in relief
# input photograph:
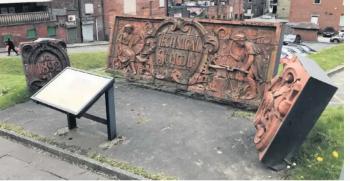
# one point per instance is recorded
(126, 54)
(240, 64)
(277, 100)
(244, 53)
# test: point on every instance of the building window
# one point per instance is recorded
(51, 31)
(89, 8)
(31, 33)
(130, 7)
(12, 10)
(4, 11)
(6, 37)
(161, 3)
(317, 1)
(314, 19)
(249, 1)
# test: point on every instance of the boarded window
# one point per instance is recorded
(130, 7)
(341, 22)
(317, 1)
(161, 3)
(314, 19)
(51, 31)
(89, 8)
(31, 33)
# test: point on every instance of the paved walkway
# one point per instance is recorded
(18, 162)
(338, 80)
(160, 132)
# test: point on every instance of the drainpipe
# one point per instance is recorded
(150, 8)
(103, 19)
(166, 8)
(80, 21)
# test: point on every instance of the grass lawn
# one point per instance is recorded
(329, 58)
(322, 154)
(13, 87)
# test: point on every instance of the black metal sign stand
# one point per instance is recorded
(110, 121)
(61, 100)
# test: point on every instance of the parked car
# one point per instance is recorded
(328, 32)
(290, 38)
(338, 38)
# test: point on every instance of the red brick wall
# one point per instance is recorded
(19, 32)
(113, 8)
(306, 35)
(237, 8)
(329, 12)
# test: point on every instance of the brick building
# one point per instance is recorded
(131, 7)
(83, 19)
(254, 8)
(325, 13)
(283, 9)
(212, 9)
(26, 21)
(70, 20)
(226, 10)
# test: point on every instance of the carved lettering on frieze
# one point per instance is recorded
(43, 60)
(224, 62)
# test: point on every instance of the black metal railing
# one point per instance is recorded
(18, 18)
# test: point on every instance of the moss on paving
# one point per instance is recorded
(243, 114)
(98, 157)
(125, 166)
(321, 157)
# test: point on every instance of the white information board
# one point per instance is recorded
(72, 90)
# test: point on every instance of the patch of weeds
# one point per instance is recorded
(20, 131)
(4, 91)
(115, 73)
(125, 166)
(243, 114)
(321, 157)
(142, 119)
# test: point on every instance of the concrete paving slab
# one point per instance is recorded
(12, 168)
(21, 162)
(338, 80)
(161, 132)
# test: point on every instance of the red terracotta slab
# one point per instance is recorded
(228, 61)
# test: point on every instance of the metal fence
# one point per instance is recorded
(19, 18)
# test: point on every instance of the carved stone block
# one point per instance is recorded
(227, 61)
(43, 59)
(292, 103)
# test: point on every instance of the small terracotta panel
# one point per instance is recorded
(43, 60)
(291, 105)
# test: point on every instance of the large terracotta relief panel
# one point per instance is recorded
(221, 60)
